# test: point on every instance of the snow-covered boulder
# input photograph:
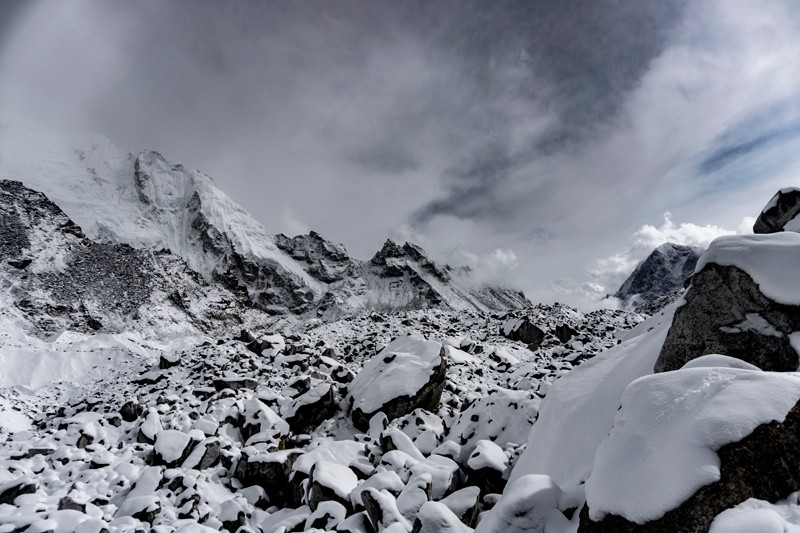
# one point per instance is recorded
(504, 417)
(486, 466)
(435, 517)
(522, 330)
(269, 470)
(329, 481)
(744, 302)
(171, 448)
(408, 374)
(780, 213)
(311, 408)
(686, 445)
(531, 505)
(260, 419)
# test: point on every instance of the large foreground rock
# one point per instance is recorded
(689, 444)
(408, 374)
(779, 212)
(727, 310)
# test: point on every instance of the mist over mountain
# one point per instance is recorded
(402, 267)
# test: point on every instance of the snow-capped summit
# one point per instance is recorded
(147, 202)
(662, 273)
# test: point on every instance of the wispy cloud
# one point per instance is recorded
(551, 130)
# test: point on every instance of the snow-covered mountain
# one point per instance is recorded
(149, 203)
(661, 274)
(163, 366)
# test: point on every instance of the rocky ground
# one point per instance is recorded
(260, 433)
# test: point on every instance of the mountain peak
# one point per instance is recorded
(663, 272)
(150, 203)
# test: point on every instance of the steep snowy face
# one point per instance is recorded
(149, 203)
(663, 272)
(54, 278)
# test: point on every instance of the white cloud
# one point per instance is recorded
(610, 272)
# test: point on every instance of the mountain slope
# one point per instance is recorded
(56, 279)
(147, 202)
(663, 272)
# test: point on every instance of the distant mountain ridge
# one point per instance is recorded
(662, 273)
(150, 203)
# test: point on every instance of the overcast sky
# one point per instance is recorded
(542, 142)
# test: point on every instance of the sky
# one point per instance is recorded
(549, 144)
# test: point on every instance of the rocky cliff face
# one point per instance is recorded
(662, 273)
(55, 278)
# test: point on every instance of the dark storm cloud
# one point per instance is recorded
(572, 61)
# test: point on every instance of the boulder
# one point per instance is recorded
(779, 211)
(486, 466)
(269, 470)
(707, 419)
(311, 408)
(522, 330)
(330, 482)
(17, 487)
(408, 374)
(171, 448)
(726, 313)
(235, 383)
(131, 410)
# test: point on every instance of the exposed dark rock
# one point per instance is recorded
(68, 503)
(271, 474)
(523, 330)
(312, 408)
(22, 264)
(149, 514)
(324, 260)
(663, 272)
(765, 465)
(17, 488)
(782, 208)
(564, 332)
(131, 410)
(726, 313)
(168, 360)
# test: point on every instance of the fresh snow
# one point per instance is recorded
(579, 409)
(400, 369)
(171, 443)
(662, 446)
(770, 259)
(340, 479)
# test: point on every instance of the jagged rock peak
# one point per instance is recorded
(663, 272)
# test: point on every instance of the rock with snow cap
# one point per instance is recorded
(330, 482)
(171, 447)
(736, 432)
(311, 408)
(269, 470)
(743, 302)
(522, 330)
(780, 213)
(408, 374)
